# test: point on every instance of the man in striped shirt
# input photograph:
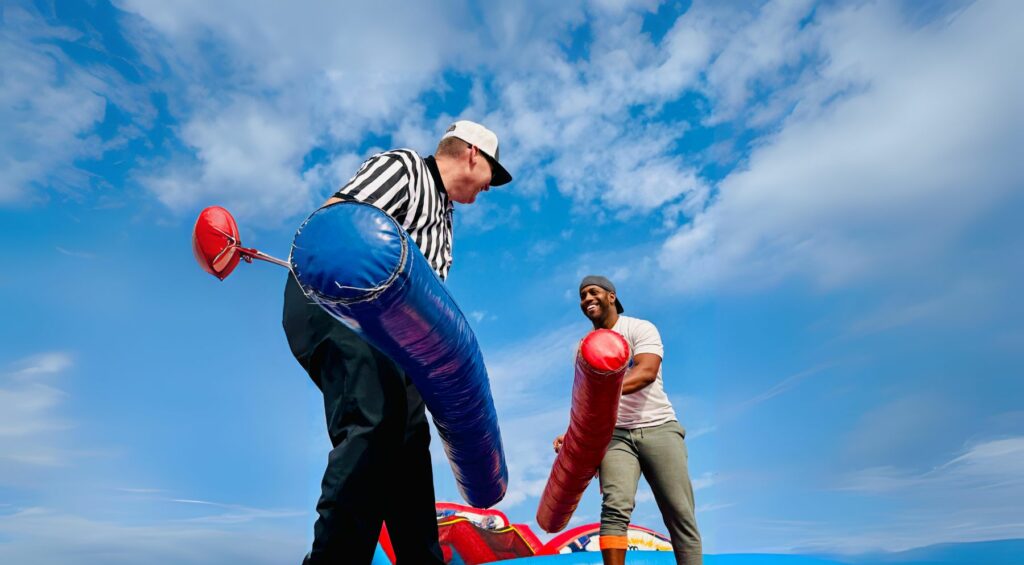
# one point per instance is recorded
(379, 469)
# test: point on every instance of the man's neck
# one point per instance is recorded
(608, 322)
(445, 168)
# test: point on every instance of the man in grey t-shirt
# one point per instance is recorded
(647, 437)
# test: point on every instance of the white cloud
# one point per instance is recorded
(973, 496)
(274, 44)
(644, 494)
(524, 374)
(37, 452)
(910, 129)
(529, 453)
(755, 45)
(319, 87)
(52, 104)
(43, 364)
(903, 138)
(775, 390)
(531, 381)
(248, 158)
(901, 428)
(703, 430)
(257, 86)
(711, 507)
(73, 253)
(706, 480)
(1001, 457)
(963, 303)
(235, 513)
(269, 82)
(48, 107)
(484, 216)
(28, 410)
(30, 418)
(45, 536)
(996, 466)
(136, 490)
(586, 137)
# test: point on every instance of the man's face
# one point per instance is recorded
(476, 177)
(596, 302)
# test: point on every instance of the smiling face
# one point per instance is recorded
(598, 305)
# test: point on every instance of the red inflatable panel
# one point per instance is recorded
(600, 366)
(475, 545)
(215, 242)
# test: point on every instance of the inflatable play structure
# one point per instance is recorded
(471, 536)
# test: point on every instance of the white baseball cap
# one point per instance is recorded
(486, 141)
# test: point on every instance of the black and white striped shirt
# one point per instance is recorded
(409, 188)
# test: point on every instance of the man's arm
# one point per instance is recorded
(643, 373)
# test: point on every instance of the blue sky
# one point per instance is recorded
(818, 204)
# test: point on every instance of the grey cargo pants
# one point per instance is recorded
(659, 452)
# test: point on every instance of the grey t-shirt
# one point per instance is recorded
(648, 406)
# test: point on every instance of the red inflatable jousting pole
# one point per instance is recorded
(601, 363)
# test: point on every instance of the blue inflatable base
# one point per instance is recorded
(379, 557)
(666, 558)
(645, 558)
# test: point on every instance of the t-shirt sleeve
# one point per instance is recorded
(646, 339)
(383, 181)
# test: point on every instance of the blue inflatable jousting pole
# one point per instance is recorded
(357, 263)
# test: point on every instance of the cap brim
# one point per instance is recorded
(618, 305)
(499, 175)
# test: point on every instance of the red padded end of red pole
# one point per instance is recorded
(605, 351)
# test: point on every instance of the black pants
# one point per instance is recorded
(379, 469)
